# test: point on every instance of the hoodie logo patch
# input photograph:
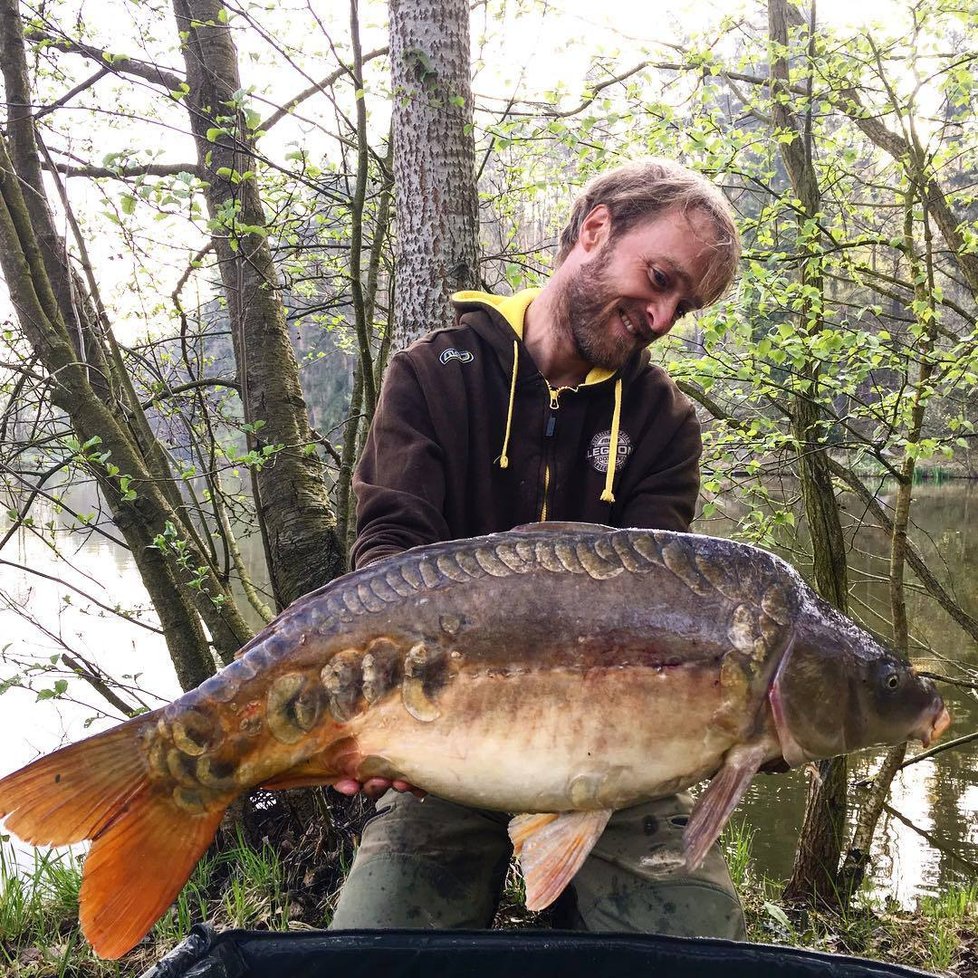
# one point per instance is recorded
(463, 356)
(599, 451)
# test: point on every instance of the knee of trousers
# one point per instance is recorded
(635, 880)
(425, 864)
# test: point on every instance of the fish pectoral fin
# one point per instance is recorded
(552, 848)
(722, 794)
(307, 774)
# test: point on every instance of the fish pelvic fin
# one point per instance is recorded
(552, 848)
(144, 844)
(721, 796)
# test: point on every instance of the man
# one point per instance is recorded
(544, 406)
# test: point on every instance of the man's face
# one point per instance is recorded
(634, 288)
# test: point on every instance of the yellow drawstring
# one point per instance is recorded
(504, 458)
(608, 496)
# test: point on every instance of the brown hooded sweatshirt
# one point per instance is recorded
(469, 438)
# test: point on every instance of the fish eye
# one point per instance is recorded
(892, 679)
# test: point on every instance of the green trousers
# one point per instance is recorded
(431, 864)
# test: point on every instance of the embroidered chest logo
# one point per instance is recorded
(463, 356)
(599, 451)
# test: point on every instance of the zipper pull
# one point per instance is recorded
(554, 405)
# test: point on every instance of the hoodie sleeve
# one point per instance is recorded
(664, 496)
(399, 481)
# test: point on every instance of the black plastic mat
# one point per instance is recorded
(496, 954)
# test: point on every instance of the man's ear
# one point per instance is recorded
(595, 228)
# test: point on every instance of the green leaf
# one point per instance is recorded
(772, 910)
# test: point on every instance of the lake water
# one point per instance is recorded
(41, 618)
(939, 796)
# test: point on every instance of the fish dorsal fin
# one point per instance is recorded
(557, 526)
(552, 848)
(716, 804)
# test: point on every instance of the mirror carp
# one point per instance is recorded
(561, 671)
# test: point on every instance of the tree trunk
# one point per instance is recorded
(294, 515)
(815, 873)
(857, 857)
(434, 162)
(60, 321)
(140, 512)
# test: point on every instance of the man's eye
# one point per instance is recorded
(659, 278)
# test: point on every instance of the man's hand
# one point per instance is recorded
(374, 787)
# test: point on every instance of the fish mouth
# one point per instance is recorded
(940, 723)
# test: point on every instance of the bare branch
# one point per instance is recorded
(315, 88)
(128, 171)
(57, 580)
(189, 386)
(117, 64)
(69, 95)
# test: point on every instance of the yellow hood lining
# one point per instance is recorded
(513, 309)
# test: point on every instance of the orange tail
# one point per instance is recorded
(144, 846)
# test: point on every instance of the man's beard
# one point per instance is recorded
(584, 307)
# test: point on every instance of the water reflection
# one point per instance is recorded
(938, 795)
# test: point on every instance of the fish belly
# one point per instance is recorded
(554, 741)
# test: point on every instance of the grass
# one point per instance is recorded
(940, 935)
(260, 887)
(38, 904)
(39, 936)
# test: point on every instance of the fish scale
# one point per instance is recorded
(559, 670)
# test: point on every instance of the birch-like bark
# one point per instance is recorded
(434, 163)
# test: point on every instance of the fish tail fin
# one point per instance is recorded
(144, 845)
(155, 840)
(72, 794)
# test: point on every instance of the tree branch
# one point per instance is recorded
(69, 95)
(130, 170)
(117, 64)
(189, 386)
(315, 88)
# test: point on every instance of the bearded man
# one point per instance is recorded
(544, 405)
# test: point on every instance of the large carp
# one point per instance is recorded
(558, 670)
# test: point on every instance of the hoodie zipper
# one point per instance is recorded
(548, 434)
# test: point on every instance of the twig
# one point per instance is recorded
(960, 742)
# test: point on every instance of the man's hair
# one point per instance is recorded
(642, 190)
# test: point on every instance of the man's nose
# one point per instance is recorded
(661, 314)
